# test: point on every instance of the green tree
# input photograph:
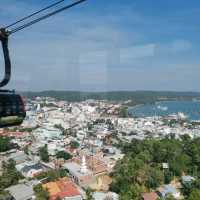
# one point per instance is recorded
(74, 144)
(5, 195)
(10, 176)
(168, 176)
(170, 197)
(90, 126)
(142, 165)
(5, 144)
(40, 193)
(64, 155)
(155, 178)
(123, 113)
(187, 188)
(131, 192)
(53, 175)
(44, 155)
(195, 194)
(26, 150)
(59, 126)
(89, 194)
(63, 173)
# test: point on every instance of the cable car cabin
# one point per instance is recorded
(12, 111)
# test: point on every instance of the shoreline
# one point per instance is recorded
(192, 115)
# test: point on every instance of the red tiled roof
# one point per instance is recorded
(150, 196)
(63, 189)
(13, 134)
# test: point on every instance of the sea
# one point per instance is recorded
(190, 108)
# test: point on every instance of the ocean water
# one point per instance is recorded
(189, 108)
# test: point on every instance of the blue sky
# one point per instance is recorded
(106, 45)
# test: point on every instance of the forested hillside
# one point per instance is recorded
(141, 168)
(136, 97)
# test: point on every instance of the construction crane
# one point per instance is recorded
(12, 110)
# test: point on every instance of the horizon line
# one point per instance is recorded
(79, 91)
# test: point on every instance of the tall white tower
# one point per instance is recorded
(38, 108)
(83, 166)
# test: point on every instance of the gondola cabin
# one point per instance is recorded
(12, 110)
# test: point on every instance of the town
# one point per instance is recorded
(69, 150)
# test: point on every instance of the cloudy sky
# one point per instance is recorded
(105, 45)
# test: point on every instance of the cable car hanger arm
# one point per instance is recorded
(4, 43)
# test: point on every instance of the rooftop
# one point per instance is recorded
(187, 178)
(102, 196)
(62, 188)
(168, 189)
(150, 196)
(22, 191)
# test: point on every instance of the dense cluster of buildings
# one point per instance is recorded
(89, 131)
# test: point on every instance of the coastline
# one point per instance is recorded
(189, 108)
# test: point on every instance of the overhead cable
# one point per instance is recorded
(33, 14)
(45, 16)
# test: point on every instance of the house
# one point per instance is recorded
(150, 196)
(23, 191)
(187, 179)
(169, 190)
(103, 196)
(18, 157)
(64, 189)
(31, 170)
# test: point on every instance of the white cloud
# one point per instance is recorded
(129, 54)
(178, 46)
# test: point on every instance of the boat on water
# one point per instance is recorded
(182, 115)
(163, 108)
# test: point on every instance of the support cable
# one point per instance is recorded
(33, 14)
(45, 17)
